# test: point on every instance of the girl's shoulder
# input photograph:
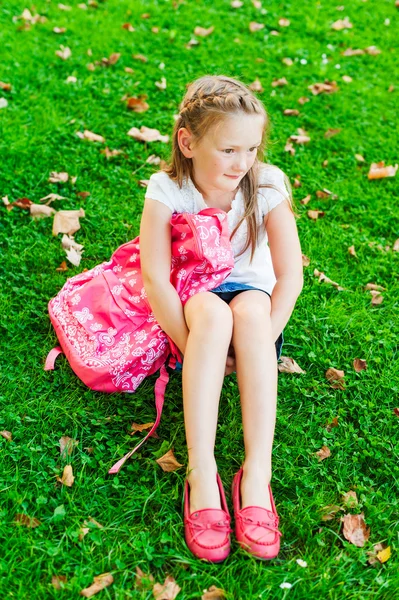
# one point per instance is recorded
(269, 173)
(274, 187)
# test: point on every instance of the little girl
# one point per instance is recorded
(217, 161)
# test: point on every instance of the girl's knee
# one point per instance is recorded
(209, 312)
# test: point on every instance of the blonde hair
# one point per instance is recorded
(207, 102)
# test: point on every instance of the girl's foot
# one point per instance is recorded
(254, 488)
(204, 490)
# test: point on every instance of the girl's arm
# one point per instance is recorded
(155, 259)
(286, 257)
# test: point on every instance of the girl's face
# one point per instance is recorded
(229, 149)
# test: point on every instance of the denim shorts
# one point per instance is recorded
(227, 291)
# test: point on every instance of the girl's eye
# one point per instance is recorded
(231, 150)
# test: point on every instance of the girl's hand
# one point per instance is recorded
(230, 362)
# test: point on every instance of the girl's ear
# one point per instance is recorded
(184, 139)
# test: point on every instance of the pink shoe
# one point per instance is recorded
(256, 527)
(207, 531)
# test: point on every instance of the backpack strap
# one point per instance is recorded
(51, 356)
(160, 387)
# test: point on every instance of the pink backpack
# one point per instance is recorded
(103, 320)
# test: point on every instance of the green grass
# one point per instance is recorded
(141, 508)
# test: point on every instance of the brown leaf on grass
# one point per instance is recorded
(350, 499)
(213, 593)
(302, 100)
(289, 148)
(254, 26)
(168, 462)
(359, 364)
(302, 138)
(24, 203)
(287, 61)
(297, 182)
(256, 86)
(352, 251)
(284, 22)
(110, 153)
(291, 112)
(84, 530)
(68, 242)
(328, 87)
(64, 52)
(352, 52)
(279, 82)
(128, 26)
(137, 427)
(145, 134)
(63, 267)
(67, 221)
(396, 411)
(334, 423)
(315, 214)
(52, 198)
(323, 278)
(59, 29)
(342, 24)
(7, 435)
(161, 85)
(67, 445)
(336, 378)
(30, 522)
(57, 581)
(305, 260)
(374, 286)
(377, 297)
(41, 210)
(236, 4)
(202, 32)
(143, 580)
(347, 78)
(89, 135)
(138, 104)
(67, 476)
(5, 86)
(167, 591)
(355, 530)
(288, 365)
(140, 57)
(58, 177)
(83, 194)
(381, 552)
(380, 171)
(395, 247)
(306, 199)
(100, 582)
(329, 512)
(331, 132)
(323, 453)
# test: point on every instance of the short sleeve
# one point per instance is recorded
(269, 198)
(158, 189)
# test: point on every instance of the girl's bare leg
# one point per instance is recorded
(210, 323)
(256, 367)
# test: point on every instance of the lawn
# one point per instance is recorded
(140, 509)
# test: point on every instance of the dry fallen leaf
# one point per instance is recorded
(347, 78)
(305, 260)
(350, 499)
(279, 82)
(334, 423)
(380, 171)
(256, 86)
(213, 593)
(84, 530)
(291, 112)
(51, 198)
(288, 365)
(302, 100)
(331, 132)
(137, 427)
(58, 177)
(375, 286)
(288, 61)
(145, 134)
(377, 297)
(59, 29)
(161, 85)
(110, 153)
(342, 24)
(254, 26)
(41, 210)
(336, 378)
(30, 522)
(100, 582)
(7, 435)
(380, 553)
(329, 512)
(284, 22)
(352, 251)
(323, 453)
(64, 52)
(306, 199)
(148, 579)
(128, 26)
(355, 530)
(202, 32)
(89, 135)
(67, 221)
(67, 476)
(323, 278)
(168, 462)
(138, 104)
(57, 581)
(63, 267)
(359, 364)
(67, 445)
(315, 214)
(328, 87)
(167, 591)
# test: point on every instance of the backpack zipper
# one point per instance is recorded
(195, 234)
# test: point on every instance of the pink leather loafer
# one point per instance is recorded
(207, 531)
(256, 528)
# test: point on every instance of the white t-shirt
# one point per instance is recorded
(260, 272)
